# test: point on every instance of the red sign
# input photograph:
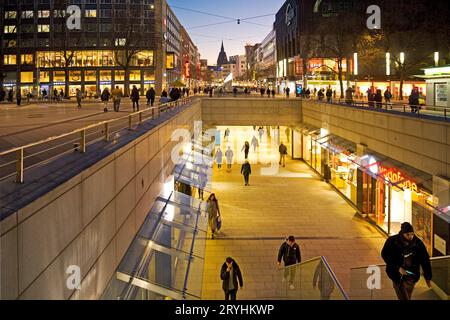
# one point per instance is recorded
(397, 177)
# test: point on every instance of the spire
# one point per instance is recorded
(222, 48)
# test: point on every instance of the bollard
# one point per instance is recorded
(83, 141)
(19, 175)
(106, 132)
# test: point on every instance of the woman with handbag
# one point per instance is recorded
(212, 207)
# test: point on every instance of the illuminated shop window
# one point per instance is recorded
(75, 76)
(90, 76)
(149, 75)
(10, 14)
(27, 14)
(43, 28)
(59, 76)
(91, 13)
(43, 13)
(44, 76)
(120, 75)
(26, 77)
(135, 75)
(27, 59)
(10, 29)
(170, 61)
(10, 59)
(105, 75)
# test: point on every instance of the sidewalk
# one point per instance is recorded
(256, 219)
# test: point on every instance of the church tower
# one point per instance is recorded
(222, 59)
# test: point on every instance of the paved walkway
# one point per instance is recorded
(256, 219)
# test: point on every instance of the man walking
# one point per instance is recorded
(230, 274)
(117, 97)
(283, 152)
(229, 155)
(290, 253)
(404, 254)
(151, 94)
(135, 98)
(246, 171)
(79, 96)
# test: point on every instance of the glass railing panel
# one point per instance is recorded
(441, 273)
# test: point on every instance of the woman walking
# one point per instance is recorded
(105, 98)
(246, 148)
(212, 207)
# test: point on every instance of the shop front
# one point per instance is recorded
(390, 193)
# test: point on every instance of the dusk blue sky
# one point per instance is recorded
(208, 39)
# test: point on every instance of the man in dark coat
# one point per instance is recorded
(282, 149)
(414, 101)
(151, 94)
(135, 98)
(246, 171)
(230, 274)
(290, 253)
(404, 254)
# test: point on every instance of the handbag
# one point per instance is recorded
(219, 222)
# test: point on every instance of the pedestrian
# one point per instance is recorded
(2, 95)
(61, 95)
(283, 152)
(268, 93)
(404, 254)
(378, 98)
(135, 98)
(235, 91)
(262, 91)
(388, 95)
(287, 131)
(246, 148)
(370, 98)
(117, 97)
(229, 155)
(273, 93)
(164, 93)
(246, 171)
(254, 143)
(329, 94)
(261, 133)
(44, 94)
(320, 95)
(151, 94)
(212, 207)
(227, 134)
(414, 101)
(79, 96)
(19, 97)
(10, 95)
(323, 281)
(105, 98)
(349, 96)
(218, 157)
(307, 93)
(230, 274)
(287, 92)
(211, 92)
(290, 254)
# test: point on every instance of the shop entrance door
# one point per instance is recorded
(369, 186)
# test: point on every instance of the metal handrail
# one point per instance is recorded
(384, 264)
(335, 279)
(105, 125)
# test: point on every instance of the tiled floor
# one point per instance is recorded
(293, 201)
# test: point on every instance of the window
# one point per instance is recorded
(90, 76)
(121, 42)
(91, 27)
(10, 43)
(59, 13)
(44, 76)
(91, 13)
(10, 14)
(27, 59)
(120, 75)
(105, 75)
(10, 29)
(59, 76)
(28, 28)
(105, 28)
(27, 14)
(105, 13)
(43, 13)
(26, 77)
(10, 59)
(75, 76)
(135, 75)
(43, 28)
(27, 43)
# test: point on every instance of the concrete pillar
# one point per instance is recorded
(160, 48)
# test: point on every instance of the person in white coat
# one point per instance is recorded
(254, 143)
(219, 156)
(229, 155)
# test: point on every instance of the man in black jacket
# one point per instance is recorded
(290, 253)
(230, 274)
(404, 254)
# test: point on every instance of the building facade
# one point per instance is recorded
(119, 43)
(267, 60)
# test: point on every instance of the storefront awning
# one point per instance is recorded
(397, 173)
(307, 128)
(337, 144)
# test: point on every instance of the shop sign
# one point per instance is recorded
(441, 94)
(103, 83)
(395, 176)
(290, 14)
(59, 83)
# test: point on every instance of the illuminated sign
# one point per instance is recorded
(396, 177)
(150, 82)
(290, 14)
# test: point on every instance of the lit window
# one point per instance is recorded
(26, 77)
(91, 13)
(44, 76)
(10, 59)
(43, 28)
(10, 29)
(27, 59)
(44, 13)
(10, 14)
(27, 14)
(121, 42)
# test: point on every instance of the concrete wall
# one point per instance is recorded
(88, 221)
(250, 112)
(420, 143)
